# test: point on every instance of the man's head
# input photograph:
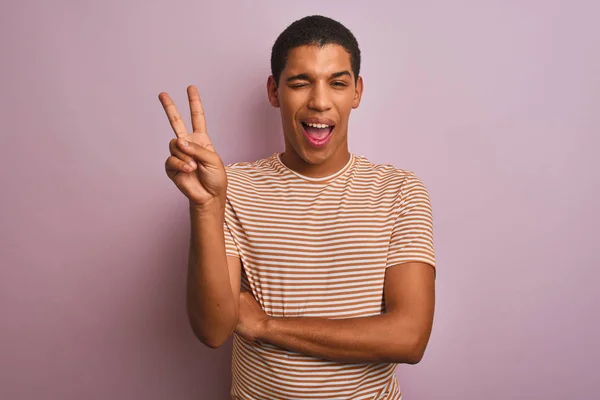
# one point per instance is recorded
(318, 31)
(315, 81)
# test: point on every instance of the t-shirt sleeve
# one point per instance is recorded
(230, 225)
(412, 235)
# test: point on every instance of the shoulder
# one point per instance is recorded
(404, 187)
(252, 176)
(388, 176)
(248, 169)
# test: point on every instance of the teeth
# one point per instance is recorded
(321, 126)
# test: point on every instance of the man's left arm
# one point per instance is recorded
(400, 335)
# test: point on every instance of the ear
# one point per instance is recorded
(358, 91)
(272, 92)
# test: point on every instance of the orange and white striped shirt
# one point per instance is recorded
(319, 247)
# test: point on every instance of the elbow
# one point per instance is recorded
(417, 350)
(213, 342)
(409, 352)
(213, 335)
(415, 356)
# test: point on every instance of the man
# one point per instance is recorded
(320, 263)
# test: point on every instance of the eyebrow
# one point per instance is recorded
(304, 77)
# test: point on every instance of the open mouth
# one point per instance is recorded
(317, 134)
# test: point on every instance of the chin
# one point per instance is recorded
(314, 156)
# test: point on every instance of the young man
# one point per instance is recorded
(320, 263)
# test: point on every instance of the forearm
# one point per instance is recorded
(211, 306)
(381, 338)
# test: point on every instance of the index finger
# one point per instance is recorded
(196, 109)
(174, 117)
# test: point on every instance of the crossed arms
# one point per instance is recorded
(216, 308)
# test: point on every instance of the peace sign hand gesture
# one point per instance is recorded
(194, 165)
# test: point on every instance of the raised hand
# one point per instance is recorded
(194, 165)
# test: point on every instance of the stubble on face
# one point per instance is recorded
(316, 85)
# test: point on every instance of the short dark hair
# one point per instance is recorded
(314, 30)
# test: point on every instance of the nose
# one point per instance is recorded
(319, 98)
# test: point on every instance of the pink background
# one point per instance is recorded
(494, 104)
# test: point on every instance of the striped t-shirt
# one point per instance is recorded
(319, 247)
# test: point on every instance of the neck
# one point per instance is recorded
(316, 168)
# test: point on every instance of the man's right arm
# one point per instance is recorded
(213, 281)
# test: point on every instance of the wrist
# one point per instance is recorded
(212, 209)
(265, 327)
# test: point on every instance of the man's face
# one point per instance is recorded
(316, 93)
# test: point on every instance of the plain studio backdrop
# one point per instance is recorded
(493, 104)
